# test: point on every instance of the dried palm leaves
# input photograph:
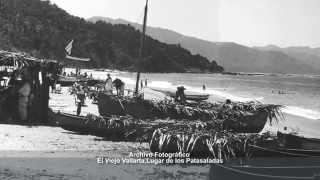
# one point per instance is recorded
(217, 144)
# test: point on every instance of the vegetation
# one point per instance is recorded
(43, 30)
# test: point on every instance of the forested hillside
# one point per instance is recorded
(43, 30)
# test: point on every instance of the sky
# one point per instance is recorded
(248, 22)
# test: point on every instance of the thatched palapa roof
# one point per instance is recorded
(21, 60)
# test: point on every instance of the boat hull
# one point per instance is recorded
(267, 169)
(69, 81)
(114, 130)
(296, 142)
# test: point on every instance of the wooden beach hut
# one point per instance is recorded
(38, 74)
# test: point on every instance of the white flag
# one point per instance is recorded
(69, 47)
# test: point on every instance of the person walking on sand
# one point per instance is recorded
(145, 83)
(204, 87)
(141, 84)
(108, 86)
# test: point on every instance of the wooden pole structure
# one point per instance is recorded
(142, 46)
(44, 97)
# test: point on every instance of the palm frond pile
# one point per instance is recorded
(128, 128)
(202, 143)
(203, 111)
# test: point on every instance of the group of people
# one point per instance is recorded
(19, 95)
(84, 75)
(145, 84)
(81, 89)
(117, 83)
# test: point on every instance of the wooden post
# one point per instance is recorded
(44, 98)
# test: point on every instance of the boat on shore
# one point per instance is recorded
(116, 128)
(70, 80)
(293, 141)
(270, 161)
(102, 127)
(298, 168)
(250, 119)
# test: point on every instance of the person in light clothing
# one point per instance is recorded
(108, 86)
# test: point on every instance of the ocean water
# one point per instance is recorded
(299, 94)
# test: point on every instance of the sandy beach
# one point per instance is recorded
(54, 153)
(41, 152)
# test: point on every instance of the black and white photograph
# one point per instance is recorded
(159, 89)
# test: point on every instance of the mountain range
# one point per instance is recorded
(235, 57)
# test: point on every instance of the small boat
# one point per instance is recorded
(292, 141)
(77, 123)
(274, 160)
(267, 168)
(70, 80)
(191, 97)
(287, 145)
(114, 129)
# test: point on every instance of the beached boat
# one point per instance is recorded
(286, 145)
(272, 161)
(189, 96)
(267, 169)
(292, 141)
(103, 127)
(123, 128)
(70, 80)
(250, 121)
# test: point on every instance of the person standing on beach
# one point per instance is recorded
(145, 83)
(204, 87)
(24, 93)
(180, 96)
(80, 98)
(119, 86)
(108, 86)
(141, 84)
